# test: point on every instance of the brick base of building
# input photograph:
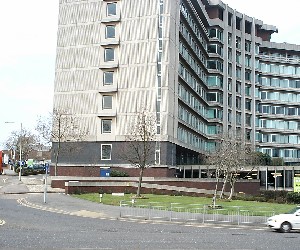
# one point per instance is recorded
(92, 171)
(89, 180)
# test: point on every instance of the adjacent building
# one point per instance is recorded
(200, 67)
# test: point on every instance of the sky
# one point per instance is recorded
(28, 47)
(27, 62)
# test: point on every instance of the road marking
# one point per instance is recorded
(90, 214)
(2, 222)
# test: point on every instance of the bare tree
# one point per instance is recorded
(231, 156)
(140, 145)
(60, 127)
(26, 139)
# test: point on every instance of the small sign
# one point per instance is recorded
(118, 194)
(297, 184)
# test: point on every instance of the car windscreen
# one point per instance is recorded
(293, 210)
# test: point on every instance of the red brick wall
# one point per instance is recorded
(76, 171)
(212, 12)
(95, 171)
(264, 34)
(247, 187)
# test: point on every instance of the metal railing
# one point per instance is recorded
(198, 213)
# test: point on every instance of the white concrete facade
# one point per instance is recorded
(194, 65)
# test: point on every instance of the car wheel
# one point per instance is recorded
(285, 227)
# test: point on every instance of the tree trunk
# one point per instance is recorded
(232, 183)
(56, 159)
(138, 194)
(216, 189)
(231, 192)
(223, 187)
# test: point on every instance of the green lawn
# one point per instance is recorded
(184, 201)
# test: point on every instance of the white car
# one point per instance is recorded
(285, 222)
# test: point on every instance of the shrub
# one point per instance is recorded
(278, 196)
(118, 173)
(277, 162)
(293, 198)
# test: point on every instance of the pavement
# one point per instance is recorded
(31, 192)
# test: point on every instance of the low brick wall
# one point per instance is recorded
(128, 185)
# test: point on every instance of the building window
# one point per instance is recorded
(212, 97)
(230, 101)
(238, 103)
(229, 69)
(215, 64)
(108, 78)
(106, 126)
(220, 14)
(248, 46)
(238, 73)
(107, 102)
(248, 27)
(106, 151)
(248, 135)
(216, 33)
(229, 54)
(248, 120)
(238, 23)
(229, 19)
(110, 31)
(247, 90)
(215, 81)
(229, 87)
(238, 43)
(238, 87)
(238, 58)
(215, 48)
(248, 61)
(238, 119)
(111, 9)
(248, 104)
(229, 39)
(109, 55)
(248, 75)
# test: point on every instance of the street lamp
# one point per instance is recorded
(20, 169)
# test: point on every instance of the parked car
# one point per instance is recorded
(39, 169)
(285, 222)
(32, 169)
(26, 170)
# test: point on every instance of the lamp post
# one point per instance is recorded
(20, 169)
(20, 172)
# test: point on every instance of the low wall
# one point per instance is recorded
(149, 185)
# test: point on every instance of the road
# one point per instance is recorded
(25, 227)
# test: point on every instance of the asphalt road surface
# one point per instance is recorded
(28, 228)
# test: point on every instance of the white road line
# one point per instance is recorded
(24, 202)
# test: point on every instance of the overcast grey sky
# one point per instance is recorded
(27, 60)
(282, 14)
(28, 45)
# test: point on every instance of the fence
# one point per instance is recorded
(198, 213)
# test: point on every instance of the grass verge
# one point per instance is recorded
(184, 202)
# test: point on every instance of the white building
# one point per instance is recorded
(200, 67)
